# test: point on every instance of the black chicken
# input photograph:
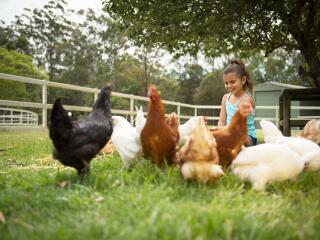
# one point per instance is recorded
(76, 143)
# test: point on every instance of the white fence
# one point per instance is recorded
(17, 117)
(44, 106)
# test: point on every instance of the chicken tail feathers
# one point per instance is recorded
(61, 124)
(270, 131)
(201, 171)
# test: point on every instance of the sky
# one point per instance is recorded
(10, 8)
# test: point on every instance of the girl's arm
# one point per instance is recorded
(223, 113)
(250, 100)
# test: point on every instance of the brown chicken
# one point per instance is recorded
(231, 138)
(199, 157)
(159, 136)
(311, 131)
(173, 122)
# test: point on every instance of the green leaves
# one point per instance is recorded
(223, 27)
(12, 62)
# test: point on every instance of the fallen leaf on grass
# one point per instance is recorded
(116, 183)
(62, 184)
(2, 218)
(99, 199)
(22, 223)
(109, 148)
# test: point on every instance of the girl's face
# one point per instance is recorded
(233, 83)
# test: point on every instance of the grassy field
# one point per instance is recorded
(41, 199)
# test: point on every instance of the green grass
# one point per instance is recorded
(41, 199)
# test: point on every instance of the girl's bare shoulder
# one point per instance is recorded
(224, 98)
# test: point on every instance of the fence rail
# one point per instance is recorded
(44, 105)
(17, 117)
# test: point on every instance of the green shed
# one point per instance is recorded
(267, 94)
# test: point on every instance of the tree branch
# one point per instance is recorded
(303, 73)
(310, 18)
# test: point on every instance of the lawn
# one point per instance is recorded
(41, 199)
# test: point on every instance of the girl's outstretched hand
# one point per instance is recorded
(205, 119)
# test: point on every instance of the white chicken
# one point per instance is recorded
(140, 119)
(267, 163)
(126, 139)
(186, 129)
(307, 150)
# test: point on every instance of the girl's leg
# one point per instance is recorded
(251, 141)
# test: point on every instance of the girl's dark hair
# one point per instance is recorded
(238, 67)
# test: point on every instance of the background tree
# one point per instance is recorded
(47, 30)
(189, 81)
(12, 40)
(12, 62)
(93, 50)
(211, 89)
(225, 27)
(82, 62)
(115, 43)
(149, 59)
(279, 66)
(210, 92)
(169, 88)
(130, 75)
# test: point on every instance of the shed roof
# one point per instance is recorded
(274, 86)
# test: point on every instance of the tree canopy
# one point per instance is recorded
(12, 62)
(224, 27)
(90, 49)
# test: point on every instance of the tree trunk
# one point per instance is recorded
(146, 75)
(304, 30)
(313, 61)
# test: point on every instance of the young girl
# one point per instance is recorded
(238, 83)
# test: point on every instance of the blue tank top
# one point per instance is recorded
(232, 108)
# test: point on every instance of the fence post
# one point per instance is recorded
(44, 105)
(195, 110)
(286, 114)
(131, 109)
(277, 117)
